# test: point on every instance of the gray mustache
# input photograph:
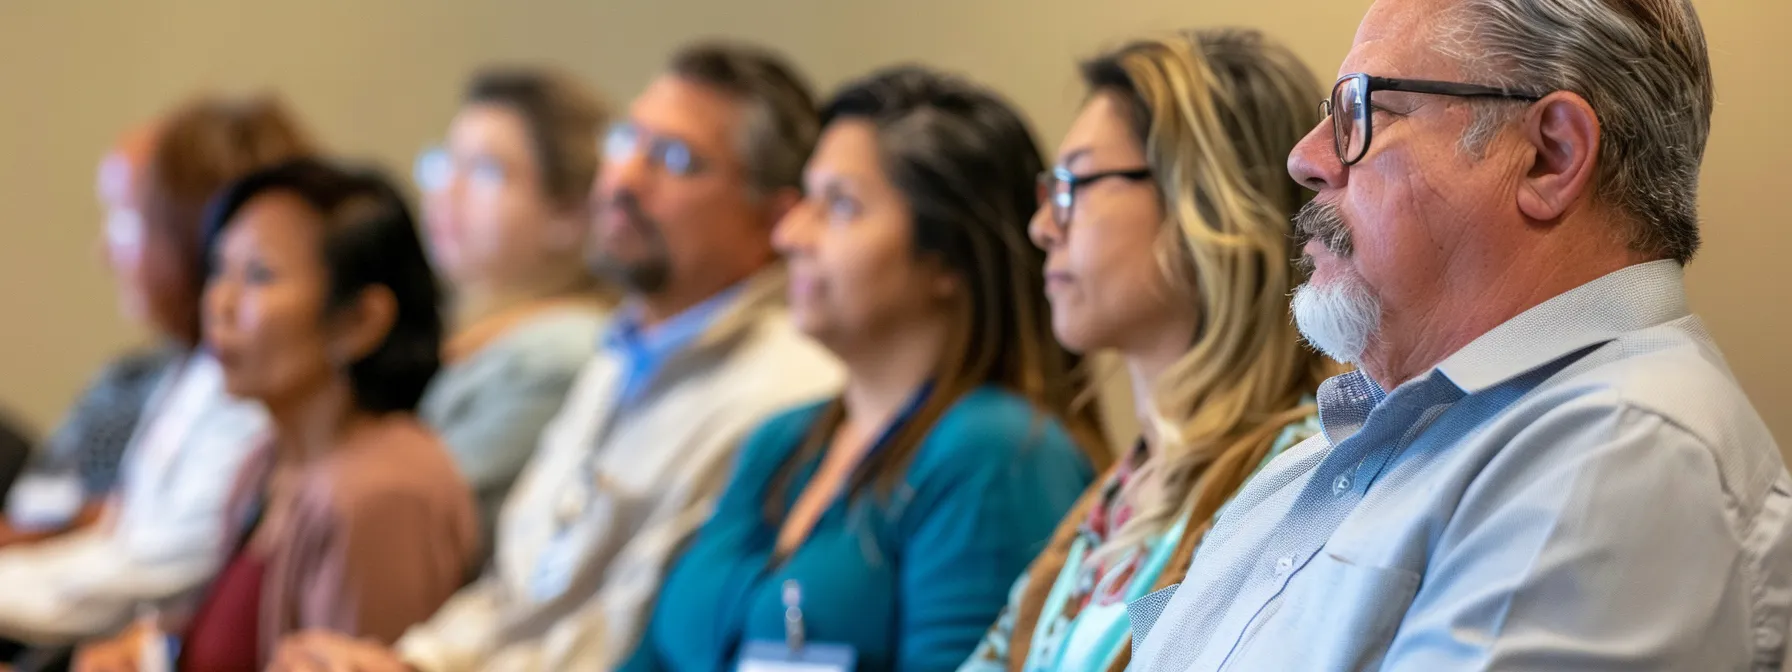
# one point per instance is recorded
(1325, 223)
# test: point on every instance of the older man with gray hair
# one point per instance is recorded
(1543, 461)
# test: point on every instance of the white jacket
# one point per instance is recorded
(659, 464)
(165, 534)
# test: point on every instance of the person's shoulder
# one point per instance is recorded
(994, 448)
(793, 420)
(780, 433)
(773, 367)
(1664, 396)
(776, 344)
(989, 425)
(399, 458)
(555, 343)
(135, 368)
(1675, 372)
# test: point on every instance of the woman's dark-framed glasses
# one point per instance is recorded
(1058, 187)
(663, 152)
(1352, 111)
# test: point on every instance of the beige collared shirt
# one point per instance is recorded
(573, 581)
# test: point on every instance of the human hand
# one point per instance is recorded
(118, 654)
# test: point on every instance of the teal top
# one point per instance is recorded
(910, 581)
(1083, 624)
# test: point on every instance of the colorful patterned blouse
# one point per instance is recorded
(1083, 624)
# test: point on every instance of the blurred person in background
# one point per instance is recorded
(159, 535)
(322, 307)
(1166, 227)
(506, 209)
(15, 450)
(695, 177)
(68, 480)
(900, 511)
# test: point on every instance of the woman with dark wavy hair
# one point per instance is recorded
(894, 515)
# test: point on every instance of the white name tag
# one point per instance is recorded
(770, 656)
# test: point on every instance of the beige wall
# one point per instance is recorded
(378, 79)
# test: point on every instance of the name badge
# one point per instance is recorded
(773, 656)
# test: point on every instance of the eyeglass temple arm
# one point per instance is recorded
(1447, 89)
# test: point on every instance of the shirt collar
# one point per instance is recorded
(627, 335)
(1345, 402)
(1629, 299)
(1632, 298)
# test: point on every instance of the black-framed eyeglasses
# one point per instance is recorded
(663, 152)
(1352, 113)
(1058, 187)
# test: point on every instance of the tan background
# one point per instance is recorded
(378, 80)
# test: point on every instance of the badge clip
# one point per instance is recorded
(793, 616)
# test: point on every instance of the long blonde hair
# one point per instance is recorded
(1218, 112)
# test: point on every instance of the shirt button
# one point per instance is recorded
(1341, 485)
(1284, 565)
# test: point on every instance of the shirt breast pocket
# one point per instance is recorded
(1344, 615)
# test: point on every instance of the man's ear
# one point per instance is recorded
(1564, 136)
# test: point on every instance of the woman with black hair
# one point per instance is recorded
(893, 518)
(321, 306)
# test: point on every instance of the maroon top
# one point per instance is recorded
(375, 536)
(222, 637)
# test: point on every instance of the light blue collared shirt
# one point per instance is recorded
(645, 350)
(1583, 487)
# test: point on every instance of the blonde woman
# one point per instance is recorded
(1177, 157)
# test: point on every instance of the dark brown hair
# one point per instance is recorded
(966, 164)
(563, 117)
(781, 123)
(200, 147)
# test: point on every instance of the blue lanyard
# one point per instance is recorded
(908, 413)
(883, 439)
(733, 646)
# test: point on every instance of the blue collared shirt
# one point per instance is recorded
(1583, 487)
(645, 351)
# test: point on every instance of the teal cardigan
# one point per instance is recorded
(910, 581)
